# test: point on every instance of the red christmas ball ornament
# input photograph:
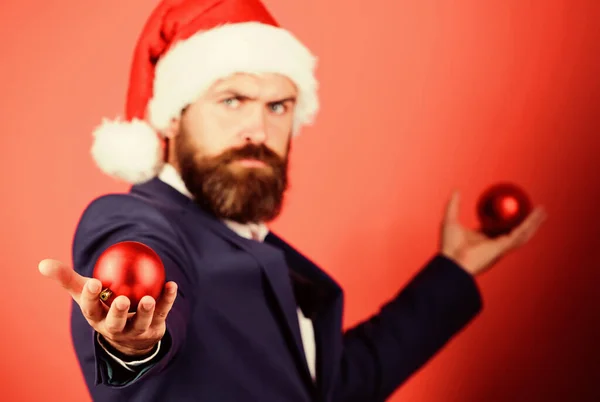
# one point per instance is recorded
(130, 269)
(501, 208)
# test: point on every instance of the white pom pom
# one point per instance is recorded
(129, 151)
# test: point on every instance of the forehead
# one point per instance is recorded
(264, 85)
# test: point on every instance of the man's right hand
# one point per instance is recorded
(133, 335)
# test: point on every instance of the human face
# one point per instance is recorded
(231, 146)
(243, 109)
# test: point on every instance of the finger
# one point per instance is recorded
(530, 224)
(144, 315)
(64, 275)
(116, 319)
(90, 303)
(526, 229)
(452, 208)
(164, 304)
(539, 216)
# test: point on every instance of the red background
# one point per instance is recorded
(418, 98)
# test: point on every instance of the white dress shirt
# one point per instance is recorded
(257, 232)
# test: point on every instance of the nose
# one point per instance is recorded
(256, 129)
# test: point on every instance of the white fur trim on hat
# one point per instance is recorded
(194, 64)
(127, 150)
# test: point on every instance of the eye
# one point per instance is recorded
(232, 102)
(278, 108)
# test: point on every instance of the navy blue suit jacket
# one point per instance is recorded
(233, 333)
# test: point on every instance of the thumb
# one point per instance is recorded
(452, 208)
(64, 275)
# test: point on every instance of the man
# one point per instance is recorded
(217, 93)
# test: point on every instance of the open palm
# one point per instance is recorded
(476, 252)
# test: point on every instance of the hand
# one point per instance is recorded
(133, 334)
(476, 252)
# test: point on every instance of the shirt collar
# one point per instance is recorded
(170, 176)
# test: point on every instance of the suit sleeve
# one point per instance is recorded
(383, 352)
(117, 218)
(122, 369)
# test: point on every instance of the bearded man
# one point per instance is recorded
(217, 93)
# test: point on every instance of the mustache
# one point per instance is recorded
(250, 151)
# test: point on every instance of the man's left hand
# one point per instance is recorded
(476, 252)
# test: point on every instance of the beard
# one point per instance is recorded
(231, 191)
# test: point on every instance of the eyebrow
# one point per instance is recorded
(240, 95)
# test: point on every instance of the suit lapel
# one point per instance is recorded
(273, 263)
(326, 314)
(275, 268)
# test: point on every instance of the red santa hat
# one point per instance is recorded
(185, 47)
